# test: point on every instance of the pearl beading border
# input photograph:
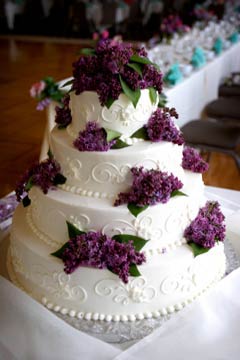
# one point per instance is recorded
(150, 252)
(90, 193)
(132, 317)
(108, 317)
(46, 239)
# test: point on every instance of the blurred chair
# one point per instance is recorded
(213, 137)
(231, 87)
(225, 110)
(77, 23)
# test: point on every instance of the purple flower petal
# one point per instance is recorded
(208, 227)
(149, 188)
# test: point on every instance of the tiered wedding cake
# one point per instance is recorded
(117, 227)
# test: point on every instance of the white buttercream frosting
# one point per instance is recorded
(171, 276)
(122, 116)
(98, 294)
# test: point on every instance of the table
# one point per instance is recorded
(209, 328)
(190, 96)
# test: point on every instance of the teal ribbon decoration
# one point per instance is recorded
(174, 75)
(198, 58)
(234, 37)
(218, 46)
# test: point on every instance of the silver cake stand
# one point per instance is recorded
(121, 332)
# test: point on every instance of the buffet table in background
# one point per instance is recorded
(190, 96)
(206, 329)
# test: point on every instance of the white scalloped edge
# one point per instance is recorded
(90, 193)
(108, 317)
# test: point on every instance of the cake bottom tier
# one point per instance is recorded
(167, 283)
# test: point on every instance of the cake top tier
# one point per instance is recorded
(113, 68)
(115, 85)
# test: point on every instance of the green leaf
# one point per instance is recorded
(26, 201)
(59, 179)
(197, 249)
(143, 60)
(50, 154)
(138, 242)
(136, 67)
(162, 100)
(29, 184)
(60, 251)
(69, 82)
(73, 231)
(153, 95)
(49, 80)
(119, 144)
(140, 60)
(87, 51)
(136, 210)
(131, 94)
(133, 270)
(141, 134)
(178, 193)
(111, 134)
(109, 102)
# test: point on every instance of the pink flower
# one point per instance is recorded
(105, 34)
(37, 88)
(95, 36)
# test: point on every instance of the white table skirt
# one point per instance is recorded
(190, 96)
(207, 329)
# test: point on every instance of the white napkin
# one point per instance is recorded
(208, 329)
(28, 331)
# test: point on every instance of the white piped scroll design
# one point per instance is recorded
(74, 168)
(145, 228)
(118, 227)
(175, 221)
(81, 221)
(107, 172)
(56, 283)
(185, 282)
(136, 291)
(126, 115)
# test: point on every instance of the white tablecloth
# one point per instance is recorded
(190, 96)
(207, 329)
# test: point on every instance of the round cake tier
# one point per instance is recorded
(162, 224)
(106, 174)
(122, 116)
(167, 283)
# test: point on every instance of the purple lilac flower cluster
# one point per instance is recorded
(63, 113)
(93, 138)
(46, 90)
(43, 174)
(192, 161)
(208, 227)
(149, 188)
(100, 71)
(100, 251)
(173, 24)
(161, 127)
(7, 206)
